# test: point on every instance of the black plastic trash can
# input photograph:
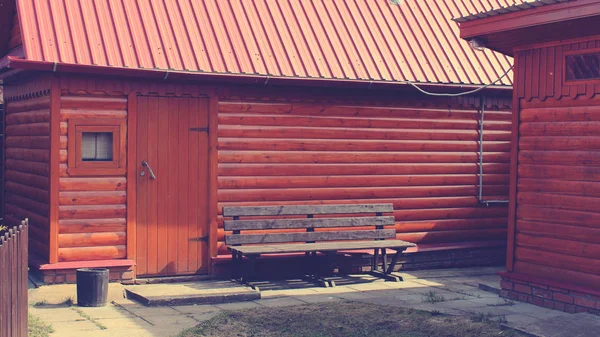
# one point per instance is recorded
(92, 287)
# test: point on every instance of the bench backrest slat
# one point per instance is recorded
(306, 209)
(232, 225)
(237, 239)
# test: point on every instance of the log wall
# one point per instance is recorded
(424, 160)
(557, 191)
(92, 213)
(27, 155)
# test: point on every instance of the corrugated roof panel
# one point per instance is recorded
(376, 40)
(516, 6)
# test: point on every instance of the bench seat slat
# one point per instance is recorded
(306, 209)
(322, 247)
(235, 239)
(232, 225)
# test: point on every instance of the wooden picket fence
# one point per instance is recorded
(13, 281)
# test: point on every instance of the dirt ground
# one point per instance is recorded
(343, 319)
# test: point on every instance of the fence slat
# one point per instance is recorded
(13, 281)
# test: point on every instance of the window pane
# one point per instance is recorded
(96, 146)
(583, 67)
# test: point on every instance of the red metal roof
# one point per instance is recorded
(374, 40)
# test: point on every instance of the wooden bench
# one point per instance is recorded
(246, 242)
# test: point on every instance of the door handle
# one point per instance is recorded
(145, 164)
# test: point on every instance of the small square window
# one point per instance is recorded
(582, 67)
(96, 146)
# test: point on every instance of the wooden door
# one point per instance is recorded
(172, 208)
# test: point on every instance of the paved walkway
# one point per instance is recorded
(451, 291)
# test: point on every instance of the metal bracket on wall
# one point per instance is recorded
(201, 238)
(199, 129)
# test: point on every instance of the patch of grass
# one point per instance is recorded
(343, 319)
(89, 318)
(505, 303)
(41, 303)
(488, 318)
(68, 301)
(37, 328)
(433, 297)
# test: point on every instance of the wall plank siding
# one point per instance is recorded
(558, 176)
(423, 160)
(27, 180)
(92, 210)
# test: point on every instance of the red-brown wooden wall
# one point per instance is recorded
(92, 213)
(557, 226)
(422, 159)
(28, 105)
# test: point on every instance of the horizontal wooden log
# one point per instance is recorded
(231, 225)
(450, 213)
(95, 103)
(451, 224)
(63, 156)
(545, 143)
(33, 180)
(35, 129)
(91, 211)
(41, 169)
(357, 157)
(27, 191)
(559, 231)
(92, 225)
(28, 142)
(271, 169)
(580, 158)
(30, 205)
(357, 122)
(356, 133)
(28, 117)
(93, 184)
(567, 202)
(307, 209)
(93, 198)
(399, 203)
(554, 215)
(357, 181)
(570, 277)
(63, 142)
(355, 111)
(561, 114)
(36, 103)
(65, 114)
(300, 194)
(577, 129)
(64, 128)
(35, 220)
(309, 236)
(91, 239)
(40, 156)
(454, 236)
(562, 172)
(565, 247)
(92, 253)
(561, 261)
(255, 144)
(584, 188)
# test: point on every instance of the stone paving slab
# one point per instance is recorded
(206, 292)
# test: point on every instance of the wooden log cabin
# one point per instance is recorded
(553, 257)
(130, 124)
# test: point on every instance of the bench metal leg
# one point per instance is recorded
(386, 271)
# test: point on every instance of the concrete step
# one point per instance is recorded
(203, 292)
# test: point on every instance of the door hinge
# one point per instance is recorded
(201, 238)
(199, 129)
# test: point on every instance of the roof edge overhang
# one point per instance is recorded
(18, 64)
(558, 17)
